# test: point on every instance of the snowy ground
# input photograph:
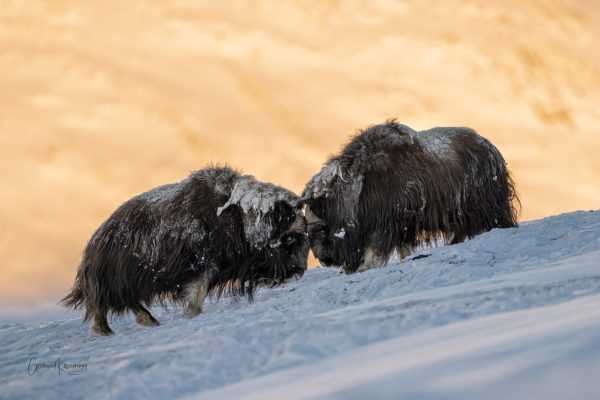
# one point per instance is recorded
(513, 313)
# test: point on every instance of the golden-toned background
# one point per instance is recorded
(102, 100)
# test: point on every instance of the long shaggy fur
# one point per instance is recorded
(158, 242)
(392, 189)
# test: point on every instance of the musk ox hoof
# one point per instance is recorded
(102, 330)
(191, 311)
(293, 278)
(370, 261)
(144, 318)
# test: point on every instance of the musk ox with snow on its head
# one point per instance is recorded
(216, 231)
(392, 189)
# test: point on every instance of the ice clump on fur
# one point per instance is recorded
(320, 184)
(435, 143)
(256, 199)
(161, 194)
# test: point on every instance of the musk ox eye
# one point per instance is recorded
(289, 240)
(320, 230)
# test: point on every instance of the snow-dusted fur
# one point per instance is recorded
(392, 189)
(226, 231)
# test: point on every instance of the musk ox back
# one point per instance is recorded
(215, 231)
(392, 189)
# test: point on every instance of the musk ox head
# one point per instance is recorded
(273, 227)
(331, 212)
(392, 189)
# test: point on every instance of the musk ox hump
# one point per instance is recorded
(256, 199)
(161, 195)
(342, 177)
(436, 142)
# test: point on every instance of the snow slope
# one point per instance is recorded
(512, 313)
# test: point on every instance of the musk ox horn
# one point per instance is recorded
(311, 218)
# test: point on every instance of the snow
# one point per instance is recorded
(321, 183)
(435, 142)
(256, 199)
(512, 313)
(517, 362)
(162, 194)
(340, 234)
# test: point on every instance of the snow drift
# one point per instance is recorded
(513, 313)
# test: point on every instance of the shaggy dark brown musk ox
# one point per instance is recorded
(216, 231)
(392, 189)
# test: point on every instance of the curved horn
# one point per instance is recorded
(311, 218)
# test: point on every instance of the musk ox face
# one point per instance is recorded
(322, 238)
(392, 189)
(216, 231)
(284, 255)
(321, 243)
(273, 226)
(333, 242)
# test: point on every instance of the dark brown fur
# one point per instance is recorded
(396, 189)
(158, 242)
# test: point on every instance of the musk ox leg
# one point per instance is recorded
(405, 251)
(195, 294)
(143, 317)
(371, 260)
(100, 326)
(458, 238)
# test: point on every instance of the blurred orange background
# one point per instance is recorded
(102, 100)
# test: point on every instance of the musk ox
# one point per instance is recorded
(392, 189)
(216, 231)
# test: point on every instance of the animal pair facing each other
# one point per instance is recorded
(388, 191)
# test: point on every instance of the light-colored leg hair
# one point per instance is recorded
(195, 293)
(143, 317)
(371, 260)
(100, 326)
(405, 251)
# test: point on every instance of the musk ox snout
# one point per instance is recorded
(320, 238)
(216, 231)
(392, 189)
